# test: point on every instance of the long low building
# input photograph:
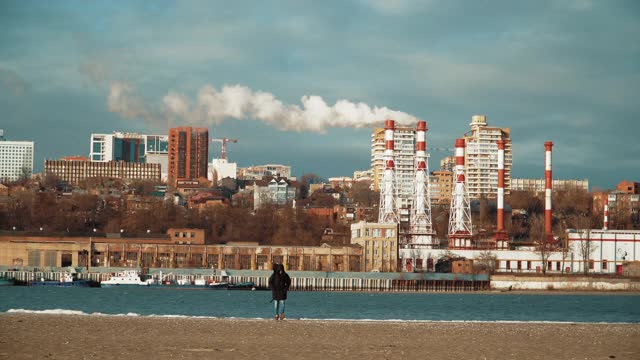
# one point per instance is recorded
(181, 248)
(601, 251)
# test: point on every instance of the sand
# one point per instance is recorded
(31, 336)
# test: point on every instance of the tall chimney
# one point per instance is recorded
(548, 185)
(460, 227)
(500, 235)
(421, 228)
(387, 209)
(606, 212)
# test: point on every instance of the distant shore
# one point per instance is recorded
(27, 336)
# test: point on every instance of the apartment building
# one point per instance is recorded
(481, 158)
(16, 159)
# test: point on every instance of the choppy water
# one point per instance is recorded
(605, 308)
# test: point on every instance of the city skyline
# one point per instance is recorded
(564, 71)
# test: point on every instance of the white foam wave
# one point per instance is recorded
(176, 316)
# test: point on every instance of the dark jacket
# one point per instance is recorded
(279, 283)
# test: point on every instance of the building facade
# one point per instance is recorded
(481, 158)
(260, 171)
(188, 154)
(16, 159)
(127, 147)
(221, 168)
(379, 244)
(277, 191)
(537, 185)
(74, 171)
(441, 183)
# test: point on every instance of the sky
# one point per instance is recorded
(303, 83)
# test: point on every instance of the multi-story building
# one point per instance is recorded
(16, 159)
(628, 187)
(481, 158)
(188, 153)
(74, 171)
(448, 163)
(127, 147)
(131, 147)
(260, 171)
(277, 191)
(441, 187)
(379, 244)
(363, 175)
(222, 169)
(538, 185)
(404, 154)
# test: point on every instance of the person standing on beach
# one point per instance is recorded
(279, 283)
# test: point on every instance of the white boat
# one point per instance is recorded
(127, 278)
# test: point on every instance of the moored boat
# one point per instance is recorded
(127, 278)
(66, 280)
(7, 281)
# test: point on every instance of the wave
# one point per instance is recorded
(175, 316)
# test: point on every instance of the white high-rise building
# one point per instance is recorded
(481, 158)
(16, 159)
(404, 154)
(222, 169)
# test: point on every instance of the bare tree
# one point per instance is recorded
(543, 245)
(586, 246)
(486, 261)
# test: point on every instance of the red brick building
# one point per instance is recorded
(188, 153)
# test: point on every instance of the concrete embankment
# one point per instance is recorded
(567, 283)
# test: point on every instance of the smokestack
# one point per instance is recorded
(421, 224)
(606, 212)
(500, 235)
(460, 227)
(548, 233)
(387, 209)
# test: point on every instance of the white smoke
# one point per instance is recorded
(123, 100)
(211, 107)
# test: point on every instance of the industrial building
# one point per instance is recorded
(16, 159)
(179, 248)
(75, 171)
(188, 154)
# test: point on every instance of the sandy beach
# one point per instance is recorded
(28, 336)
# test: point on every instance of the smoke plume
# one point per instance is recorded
(211, 107)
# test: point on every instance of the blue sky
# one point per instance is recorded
(566, 71)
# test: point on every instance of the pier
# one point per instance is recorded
(300, 280)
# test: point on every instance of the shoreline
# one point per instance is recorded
(64, 313)
(25, 336)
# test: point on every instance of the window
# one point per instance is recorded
(558, 265)
(508, 265)
(519, 265)
(604, 265)
(591, 265)
(528, 265)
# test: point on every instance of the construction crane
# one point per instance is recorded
(224, 142)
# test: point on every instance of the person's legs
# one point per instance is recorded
(275, 308)
(281, 309)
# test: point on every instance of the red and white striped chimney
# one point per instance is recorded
(548, 185)
(387, 210)
(500, 200)
(459, 147)
(606, 212)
